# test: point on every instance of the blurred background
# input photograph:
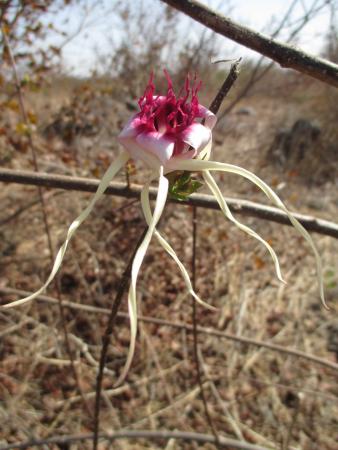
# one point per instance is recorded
(80, 68)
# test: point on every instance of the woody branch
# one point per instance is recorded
(287, 56)
(239, 206)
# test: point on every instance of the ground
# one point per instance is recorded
(254, 394)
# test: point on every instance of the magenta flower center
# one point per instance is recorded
(169, 114)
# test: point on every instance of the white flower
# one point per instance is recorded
(171, 134)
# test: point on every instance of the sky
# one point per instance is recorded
(102, 27)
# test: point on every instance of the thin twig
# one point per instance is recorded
(44, 211)
(29, 136)
(236, 426)
(214, 107)
(255, 74)
(226, 86)
(22, 209)
(287, 56)
(183, 326)
(115, 392)
(239, 206)
(136, 434)
(106, 337)
(195, 329)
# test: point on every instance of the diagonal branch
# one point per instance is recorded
(287, 56)
(214, 107)
(106, 337)
(258, 71)
(244, 207)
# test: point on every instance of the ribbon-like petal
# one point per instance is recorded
(167, 247)
(211, 183)
(200, 165)
(138, 259)
(106, 179)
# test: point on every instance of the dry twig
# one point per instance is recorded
(285, 55)
(43, 208)
(214, 107)
(183, 326)
(136, 434)
(239, 206)
(259, 72)
(106, 338)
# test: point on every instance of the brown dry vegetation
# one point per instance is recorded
(254, 394)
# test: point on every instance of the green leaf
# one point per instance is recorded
(181, 185)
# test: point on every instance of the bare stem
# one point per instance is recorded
(29, 136)
(44, 211)
(214, 107)
(195, 330)
(225, 88)
(106, 338)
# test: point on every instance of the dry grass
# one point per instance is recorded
(254, 394)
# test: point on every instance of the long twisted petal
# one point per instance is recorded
(140, 254)
(211, 183)
(199, 165)
(107, 177)
(167, 247)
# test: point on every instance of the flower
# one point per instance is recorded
(171, 134)
(168, 127)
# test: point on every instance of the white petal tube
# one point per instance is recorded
(199, 165)
(148, 216)
(140, 254)
(211, 183)
(112, 170)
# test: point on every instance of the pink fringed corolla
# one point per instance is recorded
(168, 128)
(171, 134)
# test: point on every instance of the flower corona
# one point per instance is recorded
(168, 127)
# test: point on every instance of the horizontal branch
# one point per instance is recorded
(204, 201)
(137, 434)
(183, 326)
(287, 56)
